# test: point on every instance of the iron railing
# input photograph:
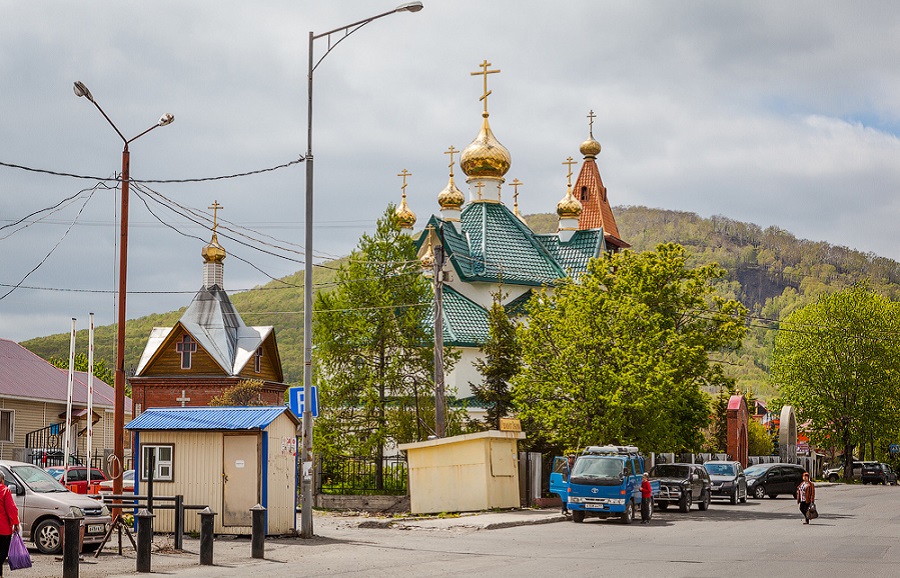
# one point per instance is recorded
(349, 475)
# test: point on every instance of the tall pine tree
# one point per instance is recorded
(501, 362)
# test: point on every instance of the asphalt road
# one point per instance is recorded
(856, 535)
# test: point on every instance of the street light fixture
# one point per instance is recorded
(306, 523)
(119, 405)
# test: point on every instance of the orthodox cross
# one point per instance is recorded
(591, 116)
(183, 399)
(404, 174)
(215, 207)
(515, 185)
(484, 72)
(479, 186)
(569, 162)
(451, 151)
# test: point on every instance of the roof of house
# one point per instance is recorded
(25, 375)
(209, 418)
(465, 322)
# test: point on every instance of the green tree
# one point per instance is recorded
(101, 372)
(245, 393)
(837, 362)
(374, 350)
(620, 355)
(759, 442)
(501, 362)
(720, 419)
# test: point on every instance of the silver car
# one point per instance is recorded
(42, 503)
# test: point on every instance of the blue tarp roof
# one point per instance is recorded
(208, 418)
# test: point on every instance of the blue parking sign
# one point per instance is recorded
(296, 401)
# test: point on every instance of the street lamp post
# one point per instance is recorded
(306, 523)
(119, 404)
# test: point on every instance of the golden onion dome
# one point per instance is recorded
(405, 217)
(485, 156)
(590, 148)
(214, 252)
(569, 207)
(451, 197)
(427, 259)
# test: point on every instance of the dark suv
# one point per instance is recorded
(875, 473)
(773, 479)
(682, 484)
(728, 480)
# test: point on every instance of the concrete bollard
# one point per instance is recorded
(258, 532)
(206, 536)
(144, 540)
(71, 544)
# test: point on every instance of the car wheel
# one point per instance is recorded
(744, 496)
(685, 502)
(734, 497)
(577, 516)
(47, 537)
(663, 505)
(628, 515)
(833, 478)
(759, 492)
(705, 499)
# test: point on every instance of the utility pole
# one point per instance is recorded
(439, 422)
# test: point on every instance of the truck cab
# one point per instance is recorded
(605, 481)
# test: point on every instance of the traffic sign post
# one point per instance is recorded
(296, 401)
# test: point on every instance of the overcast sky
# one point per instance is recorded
(775, 113)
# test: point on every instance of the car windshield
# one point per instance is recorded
(720, 469)
(40, 481)
(670, 471)
(755, 471)
(599, 467)
(128, 476)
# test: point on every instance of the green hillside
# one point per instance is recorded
(769, 270)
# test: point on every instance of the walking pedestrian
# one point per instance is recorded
(646, 498)
(806, 496)
(9, 520)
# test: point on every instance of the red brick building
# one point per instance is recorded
(209, 350)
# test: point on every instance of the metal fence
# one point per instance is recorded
(350, 475)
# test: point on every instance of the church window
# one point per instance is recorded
(186, 348)
(584, 193)
(257, 359)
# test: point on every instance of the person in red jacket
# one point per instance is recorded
(646, 498)
(9, 520)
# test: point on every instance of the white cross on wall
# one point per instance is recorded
(183, 399)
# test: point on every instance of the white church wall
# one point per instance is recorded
(464, 372)
(483, 293)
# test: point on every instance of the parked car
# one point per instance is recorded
(773, 479)
(106, 486)
(75, 477)
(875, 473)
(43, 501)
(837, 474)
(682, 484)
(727, 480)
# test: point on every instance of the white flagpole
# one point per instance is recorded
(90, 394)
(68, 431)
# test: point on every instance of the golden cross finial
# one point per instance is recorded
(451, 151)
(405, 174)
(479, 186)
(569, 162)
(484, 72)
(591, 116)
(515, 185)
(215, 207)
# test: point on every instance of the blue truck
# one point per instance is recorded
(605, 481)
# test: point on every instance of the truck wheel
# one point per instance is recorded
(685, 502)
(577, 516)
(628, 515)
(48, 537)
(662, 505)
(705, 499)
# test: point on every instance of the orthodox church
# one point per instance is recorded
(490, 250)
(209, 350)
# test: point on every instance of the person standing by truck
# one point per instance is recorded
(9, 520)
(567, 471)
(646, 498)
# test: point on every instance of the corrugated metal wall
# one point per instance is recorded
(282, 476)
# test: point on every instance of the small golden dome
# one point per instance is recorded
(590, 148)
(214, 252)
(451, 197)
(485, 156)
(569, 207)
(427, 259)
(405, 217)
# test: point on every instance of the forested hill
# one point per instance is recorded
(769, 270)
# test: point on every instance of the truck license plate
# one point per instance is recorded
(96, 529)
(595, 506)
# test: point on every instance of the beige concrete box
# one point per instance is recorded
(464, 473)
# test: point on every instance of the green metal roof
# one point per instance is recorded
(465, 322)
(574, 254)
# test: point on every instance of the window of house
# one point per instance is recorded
(257, 359)
(6, 425)
(186, 348)
(160, 457)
